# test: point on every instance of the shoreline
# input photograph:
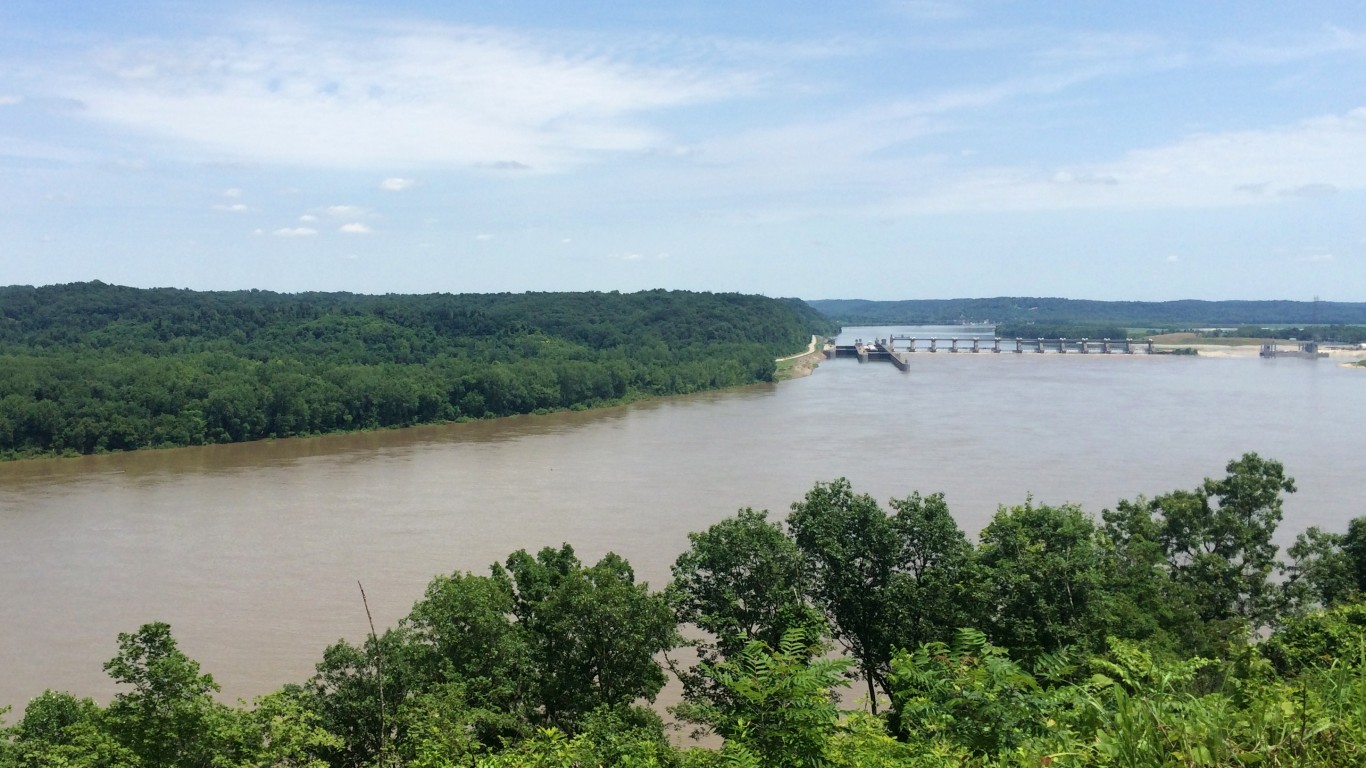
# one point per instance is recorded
(1347, 356)
(803, 363)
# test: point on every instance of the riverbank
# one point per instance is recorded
(802, 363)
(1240, 347)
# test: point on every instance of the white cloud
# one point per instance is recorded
(232, 192)
(355, 228)
(308, 218)
(344, 211)
(483, 237)
(1312, 158)
(232, 208)
(1172, 258)
(296, 232)
(396, 184)
(9, 101)
(431, 96)
(1316, 258)
(1329, 41)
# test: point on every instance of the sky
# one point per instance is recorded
(889, 149)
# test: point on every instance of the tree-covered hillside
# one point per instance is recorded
(1156, 314)
(91, 367)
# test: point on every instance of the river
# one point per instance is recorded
(252, 552)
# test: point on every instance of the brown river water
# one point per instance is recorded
(252, 552)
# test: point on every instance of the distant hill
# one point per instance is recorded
(1016, 309)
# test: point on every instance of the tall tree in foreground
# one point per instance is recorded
(852, 548)
(169, 718)
(932, 589)
(1044, 587)
(742, 580)
(1213, 548)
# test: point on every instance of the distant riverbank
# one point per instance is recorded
(1240, 347)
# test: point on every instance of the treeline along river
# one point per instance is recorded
(252, 551)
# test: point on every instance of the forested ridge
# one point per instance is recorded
(1168, 632)
(90, 367)
(1016, 310)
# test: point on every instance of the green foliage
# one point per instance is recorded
(743, 579)
(1326, 568)
(546, 660)
(591, 633)
(1044, 580)
(1202, 560)
(932, 588)
(852, 549)
(169, 718)
(1344, 334)
(1332, 637)
(88, 367)
(779, 711)
(60, 730)
(482, 661)
(280, 731)
(971, 695)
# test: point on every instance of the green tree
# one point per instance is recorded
(279, 731)
(852, 548)
(591, 634)
(1327, 568)
(1323, 638)
(743, 579)
(58, 729)
(1044, 587)
(169, 718)
(931, 591)
(1215, 547)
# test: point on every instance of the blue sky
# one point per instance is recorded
(883, 150)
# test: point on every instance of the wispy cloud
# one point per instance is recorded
(355, 228)
(449, 96)
(1330, 40)
(296, 232)
(1311, 159)
(232, 208)
(396, 184)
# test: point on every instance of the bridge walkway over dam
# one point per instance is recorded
(897, 349)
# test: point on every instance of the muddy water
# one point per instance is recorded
(252, 552)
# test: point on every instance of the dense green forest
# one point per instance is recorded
(1168, 632)
(1348, 334)
(90, 367)
(1140, 314)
